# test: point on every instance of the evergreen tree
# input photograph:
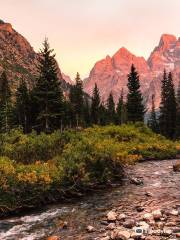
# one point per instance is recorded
(178, 112)
(87, 117)
(163, 105)
(95, 106)
(153, 123)
(103, 115)
(47, 95)
(135, 106)
(168, 107)
(111, 109)
(6, 107)
(121, 114)
(22, 106)
(77, 101)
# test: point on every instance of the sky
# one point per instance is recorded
(84, 31)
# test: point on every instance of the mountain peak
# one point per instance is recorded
(5, 26)
(166, 40)
(123, 52)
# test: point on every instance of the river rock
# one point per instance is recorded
(160, 225)
(139, 208)
(123, 235)
(152, 238)
(53, 238)
(148, 194)
(136, 181)
(174, 212)
(129, 223)
(176, 167)
(105, 238)
(171, 224)
(178, 235)
(143, 223)
(157, 214)
(111, 216)
(167, 232)
(121, 217)
(111, 226)
(90, 229)
(147, 217)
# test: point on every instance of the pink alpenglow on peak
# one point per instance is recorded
(110, 74)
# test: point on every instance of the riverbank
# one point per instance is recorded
(160, 190)
(41, 169)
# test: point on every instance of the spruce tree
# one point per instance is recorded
(111, 109)
(121, 114)
(178, 112)
(22, 106)
(167, 117)
(163, 105)
(77, 101)
(48, 95)
(95, 106)
(135, 106)
(103, 115)
(6, 107)
(153, 123)
(86, 113)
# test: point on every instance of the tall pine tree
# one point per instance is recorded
(77, 101)
(48, 95)
(178, 112)
(111, 114)
(135, 106)
(121, 114)
(22, 106)
(167, 119)
(6, 107)
(95, 106)
(153, 123)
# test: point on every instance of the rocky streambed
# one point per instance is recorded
(145, 206)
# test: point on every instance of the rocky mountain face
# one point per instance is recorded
(19, 59)
(110, 74)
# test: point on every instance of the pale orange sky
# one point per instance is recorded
(84, 31)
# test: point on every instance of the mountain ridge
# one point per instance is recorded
(19, 59)
(110, 73)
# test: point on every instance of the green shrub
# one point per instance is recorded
(31, 148)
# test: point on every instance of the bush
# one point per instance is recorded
(31, 148)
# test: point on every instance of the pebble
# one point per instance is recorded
(148, 194)
(139, 208)
(167, 232)
(122, 216)
(176, 167)
(174, 212)
(178, 235)
(170, 224)
(136, 181)
(129, 223)
(123, 235)
(111, 226)
(111, 216)
(53, 238)
(157, 214)
(152, 238)
(105, 238)
(90, 229)
(147, 216)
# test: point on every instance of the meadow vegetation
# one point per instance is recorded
(37, 169)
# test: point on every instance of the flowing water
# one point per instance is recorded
(158, 177)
